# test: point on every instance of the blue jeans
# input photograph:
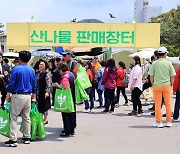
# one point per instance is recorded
(89, 91)
(109, 99)
(100, 97)
(177, 106)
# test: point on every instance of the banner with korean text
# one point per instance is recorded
(23, 35)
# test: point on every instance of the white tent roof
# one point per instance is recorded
(144, 53)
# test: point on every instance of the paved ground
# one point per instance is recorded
(112, 133)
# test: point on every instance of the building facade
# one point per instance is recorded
(143, 12)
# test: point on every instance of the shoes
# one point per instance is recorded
(11, 143)
(126, 104)
(86, 111)
(158, 125)
(65, 135)
(168, 124)
(111, 111)
(62, 131)
(175, 120)
(164, 115)
(26, 140)
(92, 110)
(140, 111)
(133, 113)
(46, 122)
(99, 107)
(153, 113)
(105, 111)
(117, 105)
(129, 99)
(151, 109)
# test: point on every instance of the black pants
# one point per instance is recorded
(3, 91)
(136, 92)
(109, 99)
(53, 95)
(122, 89)
(146, 85)
(68, 123)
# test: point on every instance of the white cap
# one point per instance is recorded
(162, 50)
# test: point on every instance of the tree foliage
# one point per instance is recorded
(170, 30)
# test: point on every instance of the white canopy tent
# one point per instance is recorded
(144, 53)
(11, 55)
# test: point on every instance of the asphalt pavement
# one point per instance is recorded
(103, 133)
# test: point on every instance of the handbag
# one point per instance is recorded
(4, 123)
(83, 78)
(63, 101)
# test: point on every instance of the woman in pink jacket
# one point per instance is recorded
(109, 81)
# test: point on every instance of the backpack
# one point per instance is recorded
(125, 80)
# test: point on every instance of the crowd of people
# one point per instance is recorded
(22, 85)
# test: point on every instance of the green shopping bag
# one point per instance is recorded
(4, 123)
(81, 94)
(40, 126)
(7, 106)
(34, 125)
(63, 101)
(37, 123)
(83, 78)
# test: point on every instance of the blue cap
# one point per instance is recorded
(147, 59)
(67, 52)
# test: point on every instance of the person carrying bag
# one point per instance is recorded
(65, 100)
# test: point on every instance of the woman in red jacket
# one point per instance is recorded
(109, 81)
(176, 90)
(120, 86)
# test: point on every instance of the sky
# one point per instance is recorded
(66, 10)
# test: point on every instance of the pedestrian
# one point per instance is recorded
(120, 86)
(21, 91)
(96, 66)
(73, 67)
(101, 88)
(43, 90)
(55, 78)
(3, 82)
(89, 91)
(67, 81)
(109, 81)
(147, 83)
(161, 75)
(135, 84)
(176, 91)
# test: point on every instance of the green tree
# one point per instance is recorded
(170, 30)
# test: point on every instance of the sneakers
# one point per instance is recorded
(117, 105)
(46, 122)
(26, 140)
(126, 104)
(168, 124)
(86, 111)
(153, 113)
(140, 111)
(92, 110)
(133, 113)
(175, 120)
(158, 125)
(11, 143)
(151, 108)
(105, 111)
